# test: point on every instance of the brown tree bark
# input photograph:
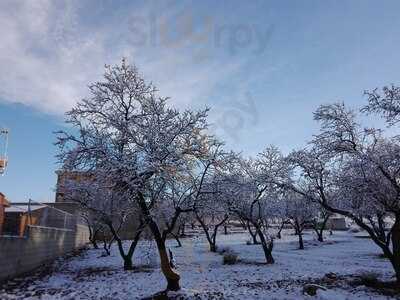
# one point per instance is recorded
(169, 273)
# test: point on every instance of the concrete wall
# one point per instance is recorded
(337, 223)
(19, 255)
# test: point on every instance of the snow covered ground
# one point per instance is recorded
(90, 276)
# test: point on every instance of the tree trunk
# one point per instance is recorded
(171, 276)
(301, 244)
(396, 248)
(94, 243)
(183, 230)
(252, 234)
(213, 247)
(320, 231)
(210, 241)
(177, 240)
(128, 257)
(211, 238)
(212, 244)
(171, 259)
(320, 236)
(106, 248)
(267, 247)
(225, 229)
(255, 242)
(128, 265)
(296, 231)
(92, 235)
(268, 254)
(279, 234)
(169, 273)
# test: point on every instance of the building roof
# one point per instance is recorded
(3, 200)
(23, 208)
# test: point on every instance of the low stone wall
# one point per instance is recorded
(19, 255)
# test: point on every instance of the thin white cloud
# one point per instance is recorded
(41, 67)
(48, 55)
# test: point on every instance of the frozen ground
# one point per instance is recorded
(90, 276)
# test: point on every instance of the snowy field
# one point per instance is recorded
(90, 276)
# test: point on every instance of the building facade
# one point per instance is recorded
(3, 204)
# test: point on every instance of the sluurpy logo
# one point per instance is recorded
(202, 34)
(235, 116)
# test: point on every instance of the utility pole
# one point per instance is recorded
(3, 150)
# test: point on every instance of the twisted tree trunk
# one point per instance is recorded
(169, 273)
(267, 247)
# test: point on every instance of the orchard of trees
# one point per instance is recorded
(161, 165)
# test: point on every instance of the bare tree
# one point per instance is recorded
(298, 213)
(252, 233)
(210, 209)
(254, 210)
(129, 133)
(211, 215)
(109, 209)
(320, 220)
(386, 103)
(343, 146)
(95, 228)
(255, 191)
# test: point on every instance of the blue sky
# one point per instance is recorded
(262, 67)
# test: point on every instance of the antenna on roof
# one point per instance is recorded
(3, 150)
